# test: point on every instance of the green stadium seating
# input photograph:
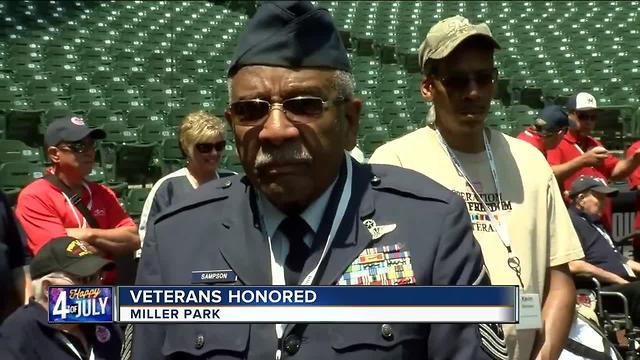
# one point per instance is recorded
(16, 150)
(135, 201)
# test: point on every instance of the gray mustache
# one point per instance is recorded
(283, 154)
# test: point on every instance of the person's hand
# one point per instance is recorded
(635, 157)
(621, 281)
(594, 156)
(83, 234)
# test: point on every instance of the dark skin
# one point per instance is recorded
(72, 168)
(460, 117)
(289, 183)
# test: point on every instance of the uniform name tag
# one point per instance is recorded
(530, 315)
(213, 276)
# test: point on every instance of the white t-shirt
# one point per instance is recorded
(531, 207)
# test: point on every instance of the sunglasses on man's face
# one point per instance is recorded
(585, 116)
(205, 148)
(302, 109)
(460, 81)
(79, 146)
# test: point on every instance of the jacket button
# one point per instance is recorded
(387, 331)
(375, 181)
(199, 342)
(226, 184)
(292, 344)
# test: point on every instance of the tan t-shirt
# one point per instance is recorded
(531, 207)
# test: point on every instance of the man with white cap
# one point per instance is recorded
(580, 154)
(516, 208)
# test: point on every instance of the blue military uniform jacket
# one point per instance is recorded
(27, 335)
(219, 228)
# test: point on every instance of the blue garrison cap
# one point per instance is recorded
(551, 117)
(292, 34)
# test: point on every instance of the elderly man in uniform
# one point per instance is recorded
(294, 116)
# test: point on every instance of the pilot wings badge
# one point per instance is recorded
(377, 231)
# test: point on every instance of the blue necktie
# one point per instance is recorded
(295, 228)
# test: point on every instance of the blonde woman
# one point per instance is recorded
(202, 142)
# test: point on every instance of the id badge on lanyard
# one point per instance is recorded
(277, 271)
(530, 312)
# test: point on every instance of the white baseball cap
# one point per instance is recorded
(582, 101)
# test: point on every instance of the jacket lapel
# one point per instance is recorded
(352, 236)
(243, 245)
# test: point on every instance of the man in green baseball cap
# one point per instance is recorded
(520, 220)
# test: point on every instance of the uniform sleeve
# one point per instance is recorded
(117, 216)
(13, 236)
(563, 241)
(39, 220)
(634, 178)
(148, 338)
(459, 261)
(385, 155)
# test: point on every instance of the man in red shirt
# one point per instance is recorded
(46, 212)
(634, 184)
(547, 130)
(580, 154)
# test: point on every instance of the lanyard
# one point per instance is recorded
(512, 260)
(277, 271)
(82, 224)
(71, 347)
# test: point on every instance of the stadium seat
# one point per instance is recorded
(135, 201)
(171, 155)
(24, 125)
(155, 132)
(139, 116)
(175, 116)
(133, 164)
(119, 133)
(98, 116)
(18, 174)
(16, 150)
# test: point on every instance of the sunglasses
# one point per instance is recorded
(301, 109)
(205, 148)
(586, 116)
(79, 147)
(460, 81)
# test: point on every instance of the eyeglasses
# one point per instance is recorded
(585, 116)
(80, 147)
(301, 109)
(205, 148)
(460, 81)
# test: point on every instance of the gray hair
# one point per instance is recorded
(37, 284)
(343, 83)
